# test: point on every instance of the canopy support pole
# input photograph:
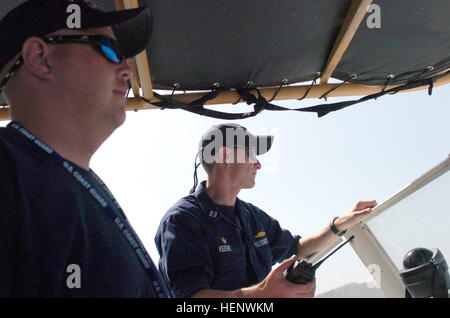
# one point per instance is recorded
(355, 15)
(287, 93)
(135, 86)
(139, 64)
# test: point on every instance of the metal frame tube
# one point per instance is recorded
(367, 247)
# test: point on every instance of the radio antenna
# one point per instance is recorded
(320, 262)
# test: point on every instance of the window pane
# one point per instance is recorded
(420, 220)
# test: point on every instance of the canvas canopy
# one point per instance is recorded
(260, 51)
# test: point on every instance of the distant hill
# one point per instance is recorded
(353, 290)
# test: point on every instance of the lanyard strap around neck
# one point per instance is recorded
(115, 214)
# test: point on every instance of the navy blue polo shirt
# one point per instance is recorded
(204, 246)
(48, 223)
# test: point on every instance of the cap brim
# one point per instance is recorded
(133, 29)
(242, 139)
(264, 143)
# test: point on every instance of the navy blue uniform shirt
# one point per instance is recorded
(48, 222)
(204, 246)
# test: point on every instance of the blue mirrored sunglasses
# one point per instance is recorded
(108, 46)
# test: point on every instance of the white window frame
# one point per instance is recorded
(367, 247)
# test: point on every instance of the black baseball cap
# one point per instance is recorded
(233, 136)
(230, 136)
(132, 27)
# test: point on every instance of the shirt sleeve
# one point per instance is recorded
(282, 243)
(184, 256)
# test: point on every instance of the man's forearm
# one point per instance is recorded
(312, 244)
(309, 245)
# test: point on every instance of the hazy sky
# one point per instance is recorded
(318, 167)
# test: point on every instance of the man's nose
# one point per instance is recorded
(125, 71)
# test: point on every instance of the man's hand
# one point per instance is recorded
(277, 286)
(355, 215)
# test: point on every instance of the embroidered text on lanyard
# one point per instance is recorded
(120, 220)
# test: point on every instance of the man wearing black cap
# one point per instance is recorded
(63, 234)
(212, 244)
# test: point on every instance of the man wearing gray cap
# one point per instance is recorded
(63, 234)
(212, 244)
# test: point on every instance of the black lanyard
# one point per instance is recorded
(115, 213)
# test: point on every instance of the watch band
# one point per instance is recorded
(334, 229)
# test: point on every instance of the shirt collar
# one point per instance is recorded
(210, 208)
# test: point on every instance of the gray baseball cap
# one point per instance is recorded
(232, 136)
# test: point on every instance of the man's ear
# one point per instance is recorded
(227, 155)
(220, 156)
(36, 56)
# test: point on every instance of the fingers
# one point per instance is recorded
(276, 284)
(362, 205)
(302, 290)
(297, 290)
(285, 264)
(353, 216)
(288, 261)
(310, 289)
(364, 212)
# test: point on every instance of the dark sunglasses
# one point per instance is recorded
(109, 47)
(105, 44)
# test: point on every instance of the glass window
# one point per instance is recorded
(420, 220)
